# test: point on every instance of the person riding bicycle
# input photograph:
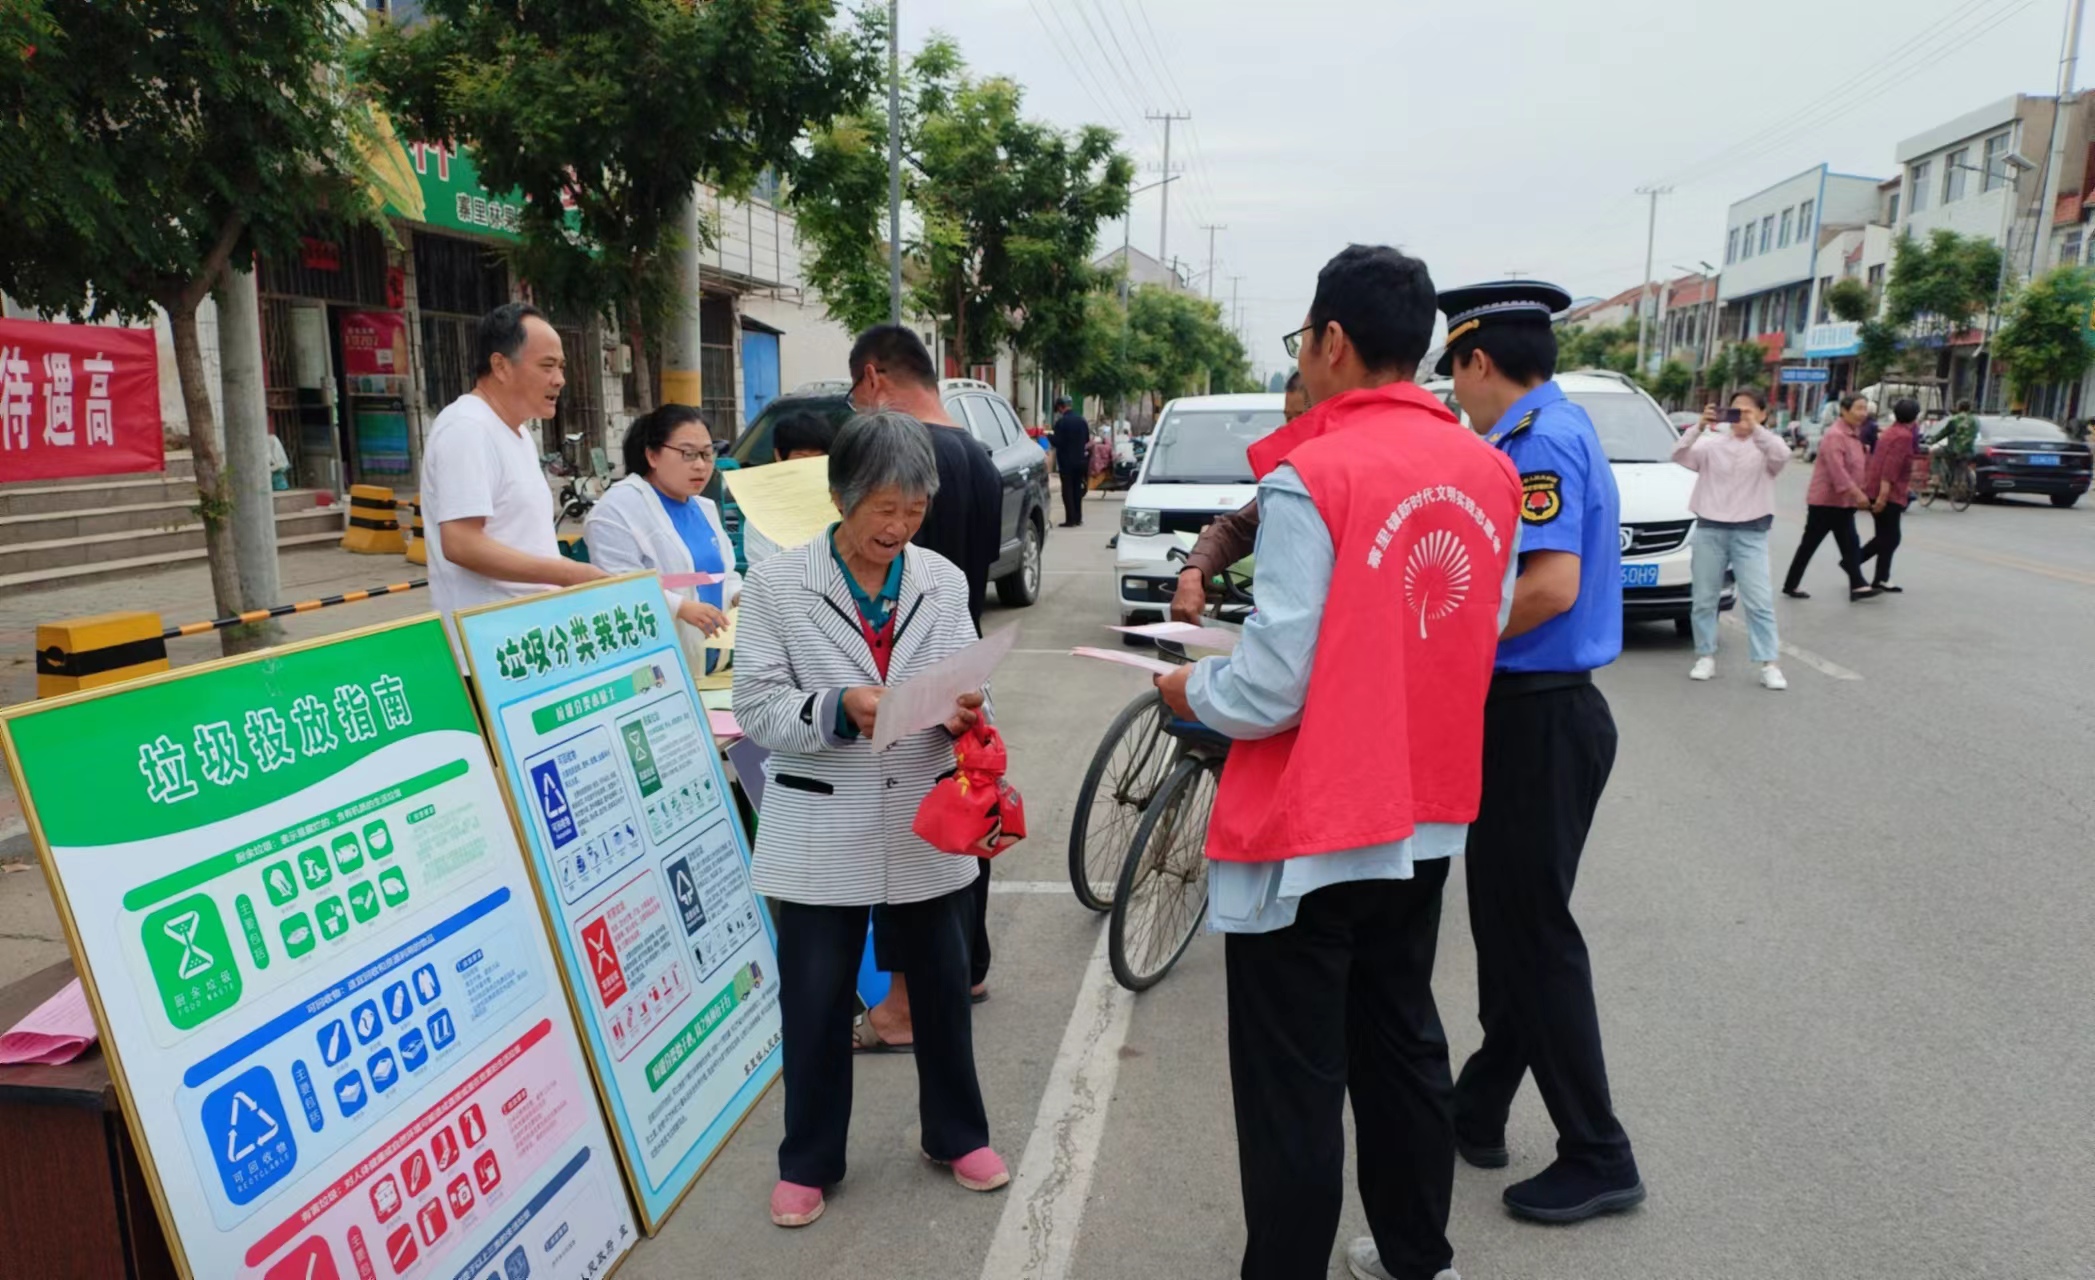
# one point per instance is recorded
(1959, 437)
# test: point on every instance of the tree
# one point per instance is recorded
(1008, 207)
(1740, 365)
(611, 114)
(144, 148)
(1674, 383)
(2043, 337)
(1882, 351)
(1612, 347)
(1167, 342)
(1849, 299)
(1940, 285)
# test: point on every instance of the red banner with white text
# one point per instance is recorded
(77, 400)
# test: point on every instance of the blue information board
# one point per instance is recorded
(641, 864)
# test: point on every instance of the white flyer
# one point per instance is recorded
(926, 700)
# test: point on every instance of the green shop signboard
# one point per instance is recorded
(439, 184)
(320, 972)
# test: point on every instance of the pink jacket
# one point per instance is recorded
(1734, 478)
(1841, 467)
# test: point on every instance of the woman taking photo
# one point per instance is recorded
(655, 520)
(1735, 464)
(826, 628)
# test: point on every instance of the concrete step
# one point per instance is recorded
(98, 548)
(136, 566)
(168, 514)
(180, 466)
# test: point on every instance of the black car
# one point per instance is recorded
(2030, 455)
(988, 417)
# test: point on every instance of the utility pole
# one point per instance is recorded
(1651, 235)
(1127, 222)
(2069, 56)
(894, 163)
(1211, 258)
(1164, 219)
(1236, 315)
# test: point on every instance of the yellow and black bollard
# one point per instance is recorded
(417, 543)
(374, 522)
(103, 648)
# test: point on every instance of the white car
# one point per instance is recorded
(1656, 522)
(1195, 470)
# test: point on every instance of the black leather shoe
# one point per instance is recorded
(1566, 1193)
(1864, 593)
(1796, 595)
(1483, 1153)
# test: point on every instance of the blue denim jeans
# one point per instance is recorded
(1745, 553)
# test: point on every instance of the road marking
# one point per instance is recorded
(1037, 1234)
(1824, 666)
(2009, 562)
(1029, 886)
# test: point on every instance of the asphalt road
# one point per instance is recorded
(1840, 938)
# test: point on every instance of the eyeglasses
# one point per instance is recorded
(1293, 341)
(691, 455)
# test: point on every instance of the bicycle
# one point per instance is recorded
(1162, 894)
(1954, 478)
(1131, 763)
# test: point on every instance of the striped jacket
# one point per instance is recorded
(835, 828)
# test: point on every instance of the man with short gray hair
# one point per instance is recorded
(484, 497)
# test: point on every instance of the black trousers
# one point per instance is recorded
(1882, 543)
(887, 953)
(1546, 759)
(818, 955)
(1073, 484)
(1818, 522)
(1341, 1002)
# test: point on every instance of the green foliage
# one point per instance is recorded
(1739, 365)
(2044, 335)
(1849, 299)
(615, 112)
(1175, 344)
(145, 146)
(1882, 351)
(1674, 383)
(1008, 211)
(1598, 347)
(1939, 285)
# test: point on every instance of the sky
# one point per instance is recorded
(1494, 137)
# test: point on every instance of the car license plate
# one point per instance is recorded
(2044, 459)
(1640, 575)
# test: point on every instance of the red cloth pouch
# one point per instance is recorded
(972, 810)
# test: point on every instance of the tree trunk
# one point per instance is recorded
(643, 367)
(213, 504)
(246, 476)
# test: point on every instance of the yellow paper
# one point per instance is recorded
(788, 502)
(723, 643)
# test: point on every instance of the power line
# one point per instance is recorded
(1129, 67)
(1060, 41)
(1084, 16)
(1944, 36)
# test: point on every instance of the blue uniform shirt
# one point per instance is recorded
(1568, 503)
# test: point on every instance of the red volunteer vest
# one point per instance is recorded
(1422, 517)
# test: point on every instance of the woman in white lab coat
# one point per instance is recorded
(655, 520)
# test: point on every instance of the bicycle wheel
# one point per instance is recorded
(1162, 896)
(1933, 489)
(1131, 760)
(1963, 483)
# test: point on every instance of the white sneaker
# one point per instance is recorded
(1705, 667)
(1365, 1262)
(1771, 678)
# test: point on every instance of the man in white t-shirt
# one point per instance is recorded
(485, 502)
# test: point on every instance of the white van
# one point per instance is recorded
(1195, 470)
